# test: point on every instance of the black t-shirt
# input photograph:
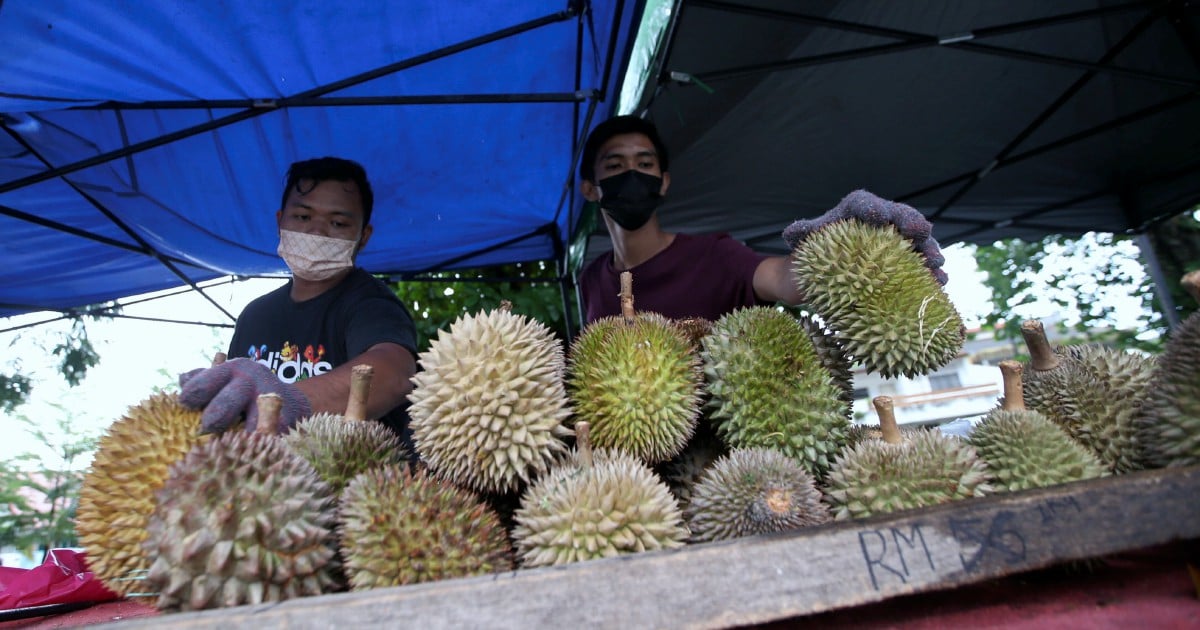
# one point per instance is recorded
(299, 340)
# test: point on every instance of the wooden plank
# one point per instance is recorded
(769, 578)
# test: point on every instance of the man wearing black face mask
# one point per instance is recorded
(625, 168)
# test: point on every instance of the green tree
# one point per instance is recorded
(74, 349)
(43, 498)
(1086, 276)
(437, 301)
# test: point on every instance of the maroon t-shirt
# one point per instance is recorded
(695, 276)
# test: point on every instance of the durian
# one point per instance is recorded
(241, 519)
(1168, 423)
(882, 476)
(339, 447)
(1092, 391)
(683, 471)
(399, 527)
(1023, 449)
(753, 491)
(769, 388)
(596, 504)
(876, 294)
(117, 495)
(488, 410)
(834, 357)
(635, 380)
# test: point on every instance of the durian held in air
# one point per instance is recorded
(635, 379)
(924, 468)
(1023, 449)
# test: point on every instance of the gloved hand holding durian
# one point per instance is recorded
(229, 391)
(877, 212)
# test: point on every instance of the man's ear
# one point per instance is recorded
(590, 191)
(666, 184)
(278, 218)
(366, 236)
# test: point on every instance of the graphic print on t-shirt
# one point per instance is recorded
(288, 363)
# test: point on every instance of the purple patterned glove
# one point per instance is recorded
(231, 389)
(876, 211)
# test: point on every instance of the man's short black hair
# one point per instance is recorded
(323, 169)
(616, 126)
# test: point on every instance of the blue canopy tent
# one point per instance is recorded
(144, 143)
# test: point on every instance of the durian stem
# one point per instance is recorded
(219, 358)
(627, 297)
(269, 406)
(505, 305)
(1014, 398)
(583, 444)
(360, 391)
(1191, 284)
(887, 419)
(1042, 356)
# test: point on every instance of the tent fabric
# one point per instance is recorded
(995, 119)
(145, 142)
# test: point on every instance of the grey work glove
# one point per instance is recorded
(229, 390)
(876, 211)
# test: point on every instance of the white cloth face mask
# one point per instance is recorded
(313, 257)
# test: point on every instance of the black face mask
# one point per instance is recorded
(630, 197)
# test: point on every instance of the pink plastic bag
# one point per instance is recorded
(62, 578)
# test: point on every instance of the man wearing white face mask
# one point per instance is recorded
(301, 340)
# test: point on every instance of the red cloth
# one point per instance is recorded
(62, 578)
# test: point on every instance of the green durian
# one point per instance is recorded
(1023, 449)
(753, 491)
(339, 447)
(769, 388)
(635, 380)
(241, 519)
(596, 504)
(397, 527)
(117, 496)
(882, 476)
(1168, 422)
(1092, 391)
(874, 291)
(489, 408)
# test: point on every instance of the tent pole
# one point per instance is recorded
(1150, 260)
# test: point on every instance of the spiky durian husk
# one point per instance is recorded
(833, 357)
(753, 491)
(117, 495)
(241, 520)
(1025, 450)
(929, 468)
(488, 410)
(1094, 394)
(875, 292)
(694, 329)
(397, 528)
(770, 389)
(616, 505)
(638, 385)
(683, 471)
(861, 433)
(339, 449)
(1168, 423)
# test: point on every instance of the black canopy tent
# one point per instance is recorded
(995, 119)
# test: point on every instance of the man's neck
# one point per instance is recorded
(304, 290)
(634, 248)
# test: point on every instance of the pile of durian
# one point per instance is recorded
(640, 434)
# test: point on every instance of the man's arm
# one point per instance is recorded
(774, 282)
(393, 367)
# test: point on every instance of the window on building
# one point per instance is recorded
(860, 393)
(944, 381)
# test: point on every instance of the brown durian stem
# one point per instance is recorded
(1191, 284)
(505, 305)
(1014, 398)
(360, 390)
(219, 358)
(583, 444)
(627, 297)
(269, 406)
(1042, 356)
(887, 419)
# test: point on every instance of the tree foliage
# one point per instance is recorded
(1086, 278)
(76, 355)
(436, 302)
(43, 498)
